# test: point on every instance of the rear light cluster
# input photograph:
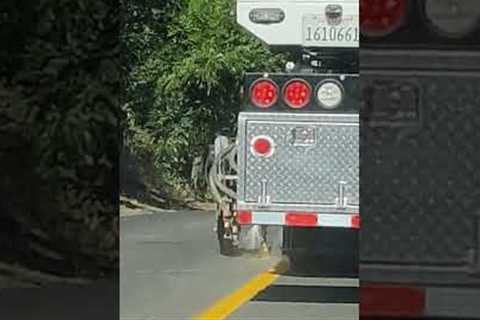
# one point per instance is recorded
(446, 19)
(381, 17)
(264, 93)
(296, 94)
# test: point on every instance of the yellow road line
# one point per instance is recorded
(227, 305)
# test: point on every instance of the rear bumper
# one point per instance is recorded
(386, 300)
(299, 219)
(420, 292)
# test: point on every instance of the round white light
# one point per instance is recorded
(330, 94)
(453, 18)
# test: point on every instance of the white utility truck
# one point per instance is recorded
(420, 79)
(294, 162)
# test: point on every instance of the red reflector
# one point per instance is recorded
(264, 93)
(301, 219)
(389, 301)
(379, 17)
(244, 217)
(262, 146)
(297, 94)
(356, 221)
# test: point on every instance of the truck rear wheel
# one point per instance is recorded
(226, 245)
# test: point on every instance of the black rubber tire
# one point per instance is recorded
(225, 245)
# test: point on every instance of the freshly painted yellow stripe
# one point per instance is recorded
(226, 306)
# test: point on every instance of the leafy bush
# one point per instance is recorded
(59, 114)
(187, 87)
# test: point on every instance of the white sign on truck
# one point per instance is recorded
(305, 23)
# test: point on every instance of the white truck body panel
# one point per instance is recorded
(299, 16)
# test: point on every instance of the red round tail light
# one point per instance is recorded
(297, 94)
(379, 18)
(264, 93)
(262, 146)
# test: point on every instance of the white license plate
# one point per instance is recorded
(318, 32)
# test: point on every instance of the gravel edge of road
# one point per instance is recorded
(132, 207)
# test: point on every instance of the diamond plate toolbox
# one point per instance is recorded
(420, 154)
(315, 159)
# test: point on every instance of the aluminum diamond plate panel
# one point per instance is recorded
(313, 154)
(420, 180)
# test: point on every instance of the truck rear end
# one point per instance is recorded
(420, 75)
(299, 167)
(294, 163)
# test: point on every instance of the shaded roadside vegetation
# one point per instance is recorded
(60, 78)
(185, 62)
(67, 68)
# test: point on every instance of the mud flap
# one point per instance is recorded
(274, 240)
(251, 238)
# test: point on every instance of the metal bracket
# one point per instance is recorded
(264, 198)
(341, 201)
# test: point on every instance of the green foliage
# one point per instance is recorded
(59, 105)
(187, 87)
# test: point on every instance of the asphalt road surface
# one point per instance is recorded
(171, 269)
(98, 300)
